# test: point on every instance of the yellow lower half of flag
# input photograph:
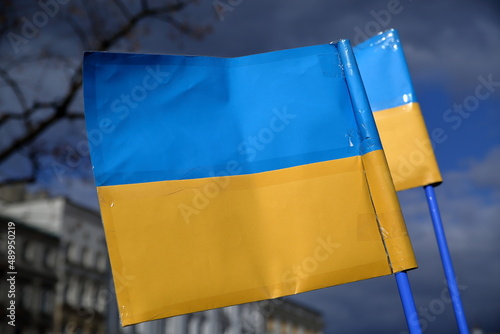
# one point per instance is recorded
(407, 146)
(183, 246)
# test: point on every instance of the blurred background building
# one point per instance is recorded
(278, 316)
(36, 279)
(64, 284)
(61, 250)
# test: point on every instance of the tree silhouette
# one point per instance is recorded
(41, 45)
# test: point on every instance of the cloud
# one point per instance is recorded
(457, 39)
(486, 173)
(468, 201)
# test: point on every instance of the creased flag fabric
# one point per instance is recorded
(230, 180)
(397, 113)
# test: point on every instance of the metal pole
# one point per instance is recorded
(446, 259)
(408, 303)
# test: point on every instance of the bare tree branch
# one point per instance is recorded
(123, 9)
(60, 113)
(96, 25)
(16, 180)
(74, 115)
(32, 156)
(15, 88)
(78, 31)
(100, 40)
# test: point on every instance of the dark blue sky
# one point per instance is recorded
(452, 47)
(453, 51)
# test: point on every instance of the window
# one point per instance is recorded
(204, 326)
(283, 327)
(270, 324)
(3, 242)
(47, 301)
(193, 323)
(88, 294)
(73, 253)
(87, 257)
(101, 299)
(72, 292)
(50, 258)
(36, 304)
(30, 251)
(101, 262)
(3, 296)
(26, 296)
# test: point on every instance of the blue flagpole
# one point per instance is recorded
(370, 134)
(408, 303)
(446, 259)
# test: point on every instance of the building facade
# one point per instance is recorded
(32, 284)
(80, 269)
(277, 316)
(66, 284)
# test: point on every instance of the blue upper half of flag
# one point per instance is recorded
(384, 71)
(161, 117)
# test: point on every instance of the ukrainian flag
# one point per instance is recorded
(397, 112)
(225, 181)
